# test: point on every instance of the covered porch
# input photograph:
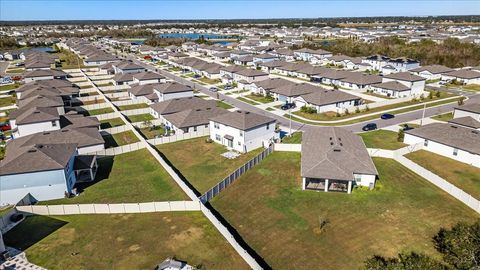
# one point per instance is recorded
(85, 167)
(327, 185)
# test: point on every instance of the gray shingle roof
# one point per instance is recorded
(180, 104)
(324, 97)
(392, 85)
(172, 87)
(193, 117)
(334, 153)
(404, 76)
(242, 120)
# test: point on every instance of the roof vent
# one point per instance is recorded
(36, 112)
(337, 150)
(46, 133)
(32, 151)
(331, 138)
(453, 126)
(331, 143)
(475, 132)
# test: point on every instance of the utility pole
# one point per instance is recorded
(423, 113)
(290, 114)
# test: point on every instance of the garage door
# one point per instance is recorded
(282, 98)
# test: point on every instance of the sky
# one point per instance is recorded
(14, 10)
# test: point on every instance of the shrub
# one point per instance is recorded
(430, 95)
(401, 135)
(461, 101)
(437, 94)
(306, 109)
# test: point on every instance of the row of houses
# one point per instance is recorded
(439, 72)
(52, 141)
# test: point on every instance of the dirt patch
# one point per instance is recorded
(185, 238)
(134, 248)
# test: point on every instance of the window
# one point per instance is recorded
(268, 126)
(194, 129)
(54, 123)
(216, 125)
(206, 126)
(425, 143)
(241, 133)
(217, 137)
(239, 144)
(455, 151)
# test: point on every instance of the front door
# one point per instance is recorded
(230, 143)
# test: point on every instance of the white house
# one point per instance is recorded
(148, 77)
(243, 131)
(249, 75)
(450, 140)
(432, 72)
(323, 100)
(414, 82)
(392, 89)
(470, 109)
(335, 159)
(34, 120)
(127, 67)
(173, 90)
(464, 76)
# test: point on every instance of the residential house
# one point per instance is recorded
(243, 131)
(172, 90)
(464, 76)
(432, 72)
(192, 120)
(335, 159)
(323, 100)
(414, 82)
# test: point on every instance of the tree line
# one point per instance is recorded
(459, 247)
(451, 52)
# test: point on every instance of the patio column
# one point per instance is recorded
(326, 185)
(349, 187)
(91, 174)
(303, 183)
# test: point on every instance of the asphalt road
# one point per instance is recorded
(400, 118)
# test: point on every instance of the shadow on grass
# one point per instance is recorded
(109, 141)
(31, 231)
(105, 165)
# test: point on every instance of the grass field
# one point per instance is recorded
(7, 101)
(131, 177)
(443, 117)
(462, 175)
(126, 241)
(383, 139)
(9, 87)
(150, 132)
(260, 98)
(109, 123)
(251, 102)
(118, 139)
(224, 105)
(295, 138)
(140, 117)
(133, 106)
(209, 81)
(282, 223)
(100, 111)
(201, 162)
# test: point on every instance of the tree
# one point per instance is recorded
(461, 101)
(401, 135)
(460, 246)
(405, 261)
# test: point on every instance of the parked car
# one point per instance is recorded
(288, 106)
(370, 126)
(212, 89)
(196, 76)
(227, 87)
(5, 126)
(386, 116)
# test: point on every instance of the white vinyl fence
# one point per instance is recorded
(113, 208)
(214, 191)
(288, 147)
(106, 116)
(114, 130)
(136, 111)
(179, 137)
(119, 149)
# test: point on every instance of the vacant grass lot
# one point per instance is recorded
(201, 162)
(126, 241)
(109, 123)
(118, 139)
(383, 139)
(444, 117)
(140, 117)
(130, 177)
(462, 175)
(282, 222)
(295, 138)
(133, 106)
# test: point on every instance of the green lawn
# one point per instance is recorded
(122, 138)
(9, 87)
(15, 70)
(224, 105)
(201, 163)
(130, 177)
(472, 87)
(251, 102)
(464, 176)
(140, 117)
(295, 138)
(109, 123)
(209, 81)
(444, 117)
(98, 100)
(124, 241)
(383, 139)
(133, 106)
(174, 69)
(282, 223)
(7, 101)
(260, 98)
(100, 111)
(150, 132)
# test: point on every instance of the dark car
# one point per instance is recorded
(196, 76)
(5, 126)
(212, 89)
(371, 126)
(227, 87)
(386, 116)
(288, 106)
